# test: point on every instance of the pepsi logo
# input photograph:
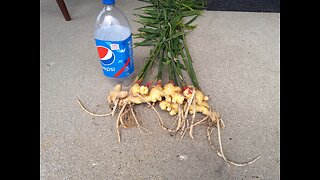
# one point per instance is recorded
(106, 56)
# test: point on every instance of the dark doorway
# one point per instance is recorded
(244, 5)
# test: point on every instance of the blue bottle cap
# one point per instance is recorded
(108, 2)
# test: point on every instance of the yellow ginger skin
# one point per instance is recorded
(143, 90)
(200, 98)
(170, 92)
(135, 89)
(169, 88)
(164, 105)
(117, 94)
(135, 100)
(177, 98)
(155, 94)
(200, 108)
(171, 107)
(173, 93)
(201, 104)
(187, 93)
(174, 109)
(205, 104)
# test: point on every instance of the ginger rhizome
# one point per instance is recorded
(164, 29)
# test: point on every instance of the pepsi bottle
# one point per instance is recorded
(114, 42)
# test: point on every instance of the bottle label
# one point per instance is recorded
(116, 57)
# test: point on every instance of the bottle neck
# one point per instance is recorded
(109, 7)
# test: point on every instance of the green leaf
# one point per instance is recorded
(146, 1)
(181, 66)
(189, 27)
(164, 28)
(174, 36)
(190, 13)
(146, 43)
(152, 37)
(148, 23)
(191, 20)
(169, 55)
(187, 7)
(143, 7)
(151, 11)
(144, 17)
(149, 30)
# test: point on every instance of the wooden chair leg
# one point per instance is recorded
(64, 9)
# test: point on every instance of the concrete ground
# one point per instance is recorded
(237, 59)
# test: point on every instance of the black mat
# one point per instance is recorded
(244, 5)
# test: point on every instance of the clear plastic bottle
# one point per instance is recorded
(114, 42)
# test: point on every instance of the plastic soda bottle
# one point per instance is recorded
(114, 42)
